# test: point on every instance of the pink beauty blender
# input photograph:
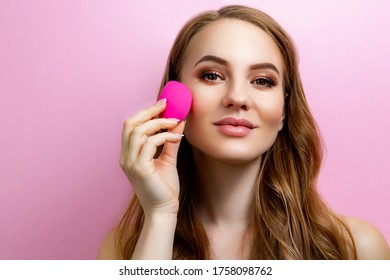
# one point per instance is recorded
(179, 99)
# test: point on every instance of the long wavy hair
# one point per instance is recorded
(289, 218)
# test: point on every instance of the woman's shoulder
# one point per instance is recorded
(369, 242)
(108, 249)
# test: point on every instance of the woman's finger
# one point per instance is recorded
(150, 147)
(139, 118)
(170, 149)
(141, 132)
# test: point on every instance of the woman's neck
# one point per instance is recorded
(226, 190)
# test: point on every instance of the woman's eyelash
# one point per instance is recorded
(264, 82)
(214, 76)
(211, 76)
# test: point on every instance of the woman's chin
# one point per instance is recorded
(231, 156)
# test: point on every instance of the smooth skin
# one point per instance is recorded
(227, 68)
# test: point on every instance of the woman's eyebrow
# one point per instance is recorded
(212, 58)
(264, 65)
(219, 60)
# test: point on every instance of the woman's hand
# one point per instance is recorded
(155, 181)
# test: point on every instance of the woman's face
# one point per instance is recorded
(234, 70)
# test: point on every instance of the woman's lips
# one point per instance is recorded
(234, 127)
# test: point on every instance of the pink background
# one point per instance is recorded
(72, 71)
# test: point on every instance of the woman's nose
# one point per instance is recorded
(236, 97)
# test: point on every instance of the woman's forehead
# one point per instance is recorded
(237, 41)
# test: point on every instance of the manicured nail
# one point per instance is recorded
(160, 102)
(173, 119)
(178, 135)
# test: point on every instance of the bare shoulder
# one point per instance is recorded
(369, 241)
(108, 250)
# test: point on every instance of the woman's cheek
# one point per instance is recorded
(199, 119)
(271, 111)
(194, 118)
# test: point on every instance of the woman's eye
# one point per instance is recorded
(264, 82)
(211, 76)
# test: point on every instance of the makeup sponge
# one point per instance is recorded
(179, 100)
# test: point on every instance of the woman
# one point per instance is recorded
(241, 183)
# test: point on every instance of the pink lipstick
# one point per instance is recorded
(234, 127)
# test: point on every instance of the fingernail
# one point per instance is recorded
(173, 119)
(178, 135)
(160, 102)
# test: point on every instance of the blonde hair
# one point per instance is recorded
(290, 220)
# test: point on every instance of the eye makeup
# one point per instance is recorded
(263, 75)
(264, 81)
(211, 76)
